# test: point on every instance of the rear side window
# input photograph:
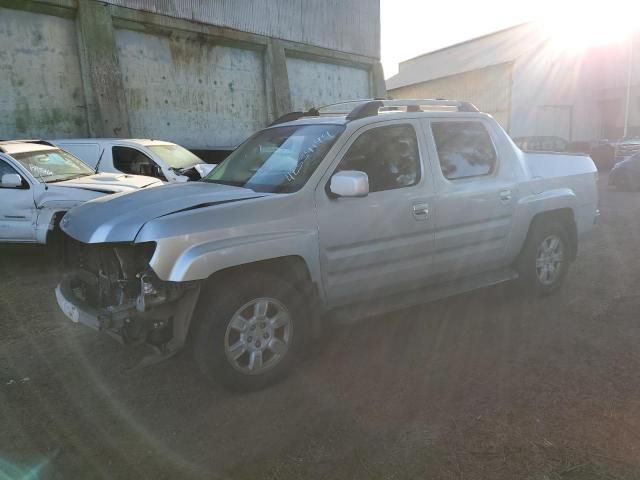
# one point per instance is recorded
(88, 152)
(388, 155)
(464, 149)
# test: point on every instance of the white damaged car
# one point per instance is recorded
(39, 183)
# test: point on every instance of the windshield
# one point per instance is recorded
(53, 165)
(176, 156)
(277, 160)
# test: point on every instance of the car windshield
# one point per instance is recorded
(277, 160)
(53, 165)
(176, 156)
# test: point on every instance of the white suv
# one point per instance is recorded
(39, 183)
(155, 158)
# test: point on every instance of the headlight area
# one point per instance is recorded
(111, 287)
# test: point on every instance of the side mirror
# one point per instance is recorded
(350, 183)
(11, 180)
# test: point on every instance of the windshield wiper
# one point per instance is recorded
(73, 177)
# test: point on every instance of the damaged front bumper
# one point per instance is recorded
(162, 322)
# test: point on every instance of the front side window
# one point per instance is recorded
(388, 155)
(53, 165)
(133, 161)
(175, 156)
(277, 160)
(6, 169)
(464, 149)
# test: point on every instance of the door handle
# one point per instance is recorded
(421, 211)
(505, 196)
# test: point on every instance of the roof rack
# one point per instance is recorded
(374, 107)
(356, 109)
(291, 116)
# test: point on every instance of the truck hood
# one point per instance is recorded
(119, 218)
(110, 182)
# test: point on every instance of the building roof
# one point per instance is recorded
(492, 49)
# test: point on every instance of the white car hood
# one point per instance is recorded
(119, 218)
(110, 182)
(204, 169)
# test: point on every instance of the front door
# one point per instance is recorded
(475, 199)
(135, 162)
(378, 244)
(17, 210)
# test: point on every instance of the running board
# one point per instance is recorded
(351, 313)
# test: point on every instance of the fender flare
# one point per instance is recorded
(530, 206)
(201, 261)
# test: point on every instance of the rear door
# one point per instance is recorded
(17, 209)
(379, 244)
(475, 200)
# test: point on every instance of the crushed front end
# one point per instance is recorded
(111, 288)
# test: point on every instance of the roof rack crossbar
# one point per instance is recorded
(291, 116)
(371, 108)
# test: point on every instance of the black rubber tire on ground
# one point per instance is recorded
(526, 263)
(56, 248)
(215, 313)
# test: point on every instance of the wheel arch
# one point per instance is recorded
(566, 217)
(49, 224)
(292, 268)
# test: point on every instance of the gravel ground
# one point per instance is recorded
(488, 385)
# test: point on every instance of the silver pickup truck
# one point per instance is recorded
(349, 211)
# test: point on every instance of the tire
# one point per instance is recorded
(56, 248)
(244, 316)
(544, 261)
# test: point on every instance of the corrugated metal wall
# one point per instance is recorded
(191, 91)
(346, 25)
(42, 93)
(315, 83)
(488, 88)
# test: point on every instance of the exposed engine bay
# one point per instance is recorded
(114, 283)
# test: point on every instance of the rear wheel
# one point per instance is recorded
(250, 331)
(545, 258)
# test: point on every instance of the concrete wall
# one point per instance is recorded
(318, 83)
(40, 79)
(89, 68)
(213, 94)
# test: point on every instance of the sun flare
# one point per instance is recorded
(576, 26)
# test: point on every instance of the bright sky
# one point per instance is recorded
(414, 27)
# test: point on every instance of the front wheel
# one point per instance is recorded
(545, 258)
(250, 331)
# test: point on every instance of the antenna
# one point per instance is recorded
(100, 159)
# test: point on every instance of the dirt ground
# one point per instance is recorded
(489, 385)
